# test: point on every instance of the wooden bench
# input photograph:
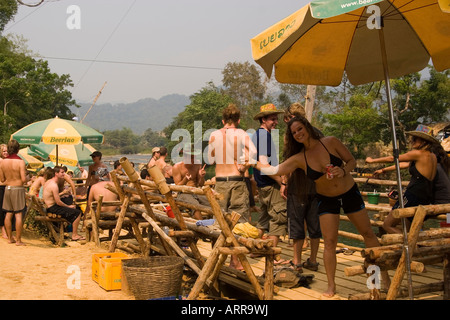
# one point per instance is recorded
(54, 224)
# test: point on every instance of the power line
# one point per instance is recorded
(133, 63)
(106, 42)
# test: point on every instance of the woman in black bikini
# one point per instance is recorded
(335, 187)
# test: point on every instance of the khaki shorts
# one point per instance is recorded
(235, 198)
(14, 199)
(196, 199)
(273, 217)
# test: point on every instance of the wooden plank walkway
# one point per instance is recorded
(345, 285)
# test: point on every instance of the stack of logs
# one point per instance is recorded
(425, 248)
(135, 207)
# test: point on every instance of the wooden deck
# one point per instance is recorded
(346, 285)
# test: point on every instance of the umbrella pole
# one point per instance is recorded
(396, 160)
(57, 156)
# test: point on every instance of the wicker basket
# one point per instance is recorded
(154, 277)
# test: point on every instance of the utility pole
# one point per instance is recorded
(95, 100)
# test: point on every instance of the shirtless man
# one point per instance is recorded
(56, 206)
(226, 147)
(100, 189)
(13, 175)
(166, 168)
(188, 173)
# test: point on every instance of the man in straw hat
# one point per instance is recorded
(422, 163)
(273, 217)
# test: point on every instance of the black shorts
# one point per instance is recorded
(298, 213)
(351, 201)
(70, 214)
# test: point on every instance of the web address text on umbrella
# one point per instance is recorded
(356, 3)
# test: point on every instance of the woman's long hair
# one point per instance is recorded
(441, 156)
(299, 184)
(291, 146)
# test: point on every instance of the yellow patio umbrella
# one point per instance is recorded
(31, 162)
(371, 40)
(66, 154)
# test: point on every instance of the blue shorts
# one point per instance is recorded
(351, 201)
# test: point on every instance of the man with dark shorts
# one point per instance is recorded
(56, 206)
(13, 176)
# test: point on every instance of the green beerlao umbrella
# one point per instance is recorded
(69, 155)
(57, 132)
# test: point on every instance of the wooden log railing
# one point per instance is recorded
(426, 247)
(138, 200)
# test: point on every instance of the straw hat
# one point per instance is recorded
(267, 109)
(424, 132)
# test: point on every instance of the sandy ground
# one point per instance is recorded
(39, 271)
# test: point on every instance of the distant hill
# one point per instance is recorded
(138, 116)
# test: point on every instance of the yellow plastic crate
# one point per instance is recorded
(107, 269)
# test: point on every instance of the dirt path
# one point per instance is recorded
(38, 271)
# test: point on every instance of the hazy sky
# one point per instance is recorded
(160, 46)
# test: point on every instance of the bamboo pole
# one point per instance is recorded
(119, 223)
(134, 178)
(379, 181)
(95, 217)
(210, 264)
(447, 277)
(432, 209)
(160, 181)
(388, 239)
(419, 217)
(228, 233)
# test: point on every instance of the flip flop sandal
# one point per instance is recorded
(296, 267)
(314, 266)
(348, 252)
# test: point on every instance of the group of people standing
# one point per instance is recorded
(310, 188)
(305, 192)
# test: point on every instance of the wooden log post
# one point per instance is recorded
(228, 234)
(419, 217)
(447, 276)
(134, 178)
(172, 243)
(119, 223)
(211, 264)
(160, 181)
(95, 217)
(388, 239)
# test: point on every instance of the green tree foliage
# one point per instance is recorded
(151, 139)
(29, 91)
(8, 9)
(123, 141)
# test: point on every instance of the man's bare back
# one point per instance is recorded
(13, 172)
(100, 189)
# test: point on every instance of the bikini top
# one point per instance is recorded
(313, 174)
